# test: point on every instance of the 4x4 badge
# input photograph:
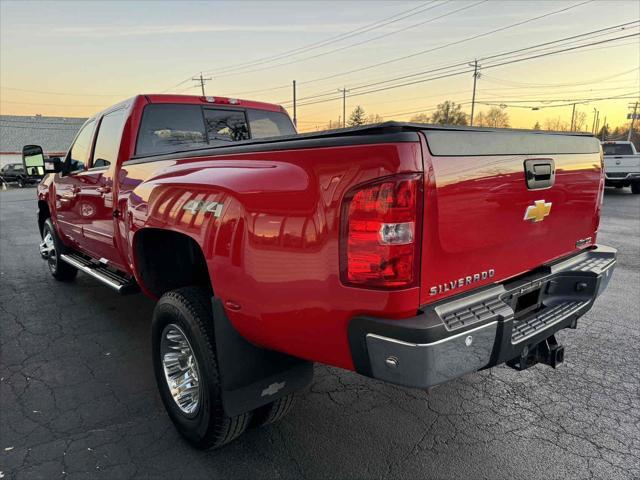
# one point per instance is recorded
(537, 211)
(195, 206)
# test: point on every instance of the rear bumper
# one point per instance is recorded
(481, 328)
(622, 176)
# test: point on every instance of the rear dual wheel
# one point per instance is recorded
(187, 373)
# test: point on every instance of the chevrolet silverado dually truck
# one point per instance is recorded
(621, 165)
(413, 254)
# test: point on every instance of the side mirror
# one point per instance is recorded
(33, 161)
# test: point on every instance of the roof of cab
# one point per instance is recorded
(212, 100)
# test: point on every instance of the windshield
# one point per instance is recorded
(169, 128)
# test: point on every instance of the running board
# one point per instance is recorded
(119, 283)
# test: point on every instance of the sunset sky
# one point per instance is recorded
(76, 58)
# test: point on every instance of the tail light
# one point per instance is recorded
(380, 234)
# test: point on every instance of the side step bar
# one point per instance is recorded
(119, 283)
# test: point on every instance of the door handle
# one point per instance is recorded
(104, 190)
(539, 173)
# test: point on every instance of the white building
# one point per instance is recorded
(53, 134)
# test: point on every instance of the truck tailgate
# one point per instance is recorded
(484, 223)
(621, 164)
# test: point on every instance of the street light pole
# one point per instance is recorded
(633, 119)
(295, 116)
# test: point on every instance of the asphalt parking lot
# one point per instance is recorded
(78, 398)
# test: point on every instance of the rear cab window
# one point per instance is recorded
(617, 149)
(167, 128)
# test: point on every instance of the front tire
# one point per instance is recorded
(635, 188)
(60, 270)
(186, 369)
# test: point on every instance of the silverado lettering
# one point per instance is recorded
(461, 282)
(268, 250)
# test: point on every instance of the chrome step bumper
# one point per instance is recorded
(481, 328)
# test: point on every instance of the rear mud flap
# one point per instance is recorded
(252, 376)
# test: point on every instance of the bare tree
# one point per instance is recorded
(480, 120)
(537, 126)
(373, 118)
(449, 113)
(497, 118)
(420, 118)
(556, 124)
(580, 121)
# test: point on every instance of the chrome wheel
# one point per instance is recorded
(48, 251)
(180, 369)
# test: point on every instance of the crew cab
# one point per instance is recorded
(409, 253)
(621, 165)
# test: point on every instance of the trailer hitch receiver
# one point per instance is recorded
(548, 352)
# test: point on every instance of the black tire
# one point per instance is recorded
(635, 188)
(21, 183)
(60, 270)
(272, 412)
(208, 426)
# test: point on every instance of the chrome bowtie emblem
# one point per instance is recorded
(536, 212)
(272, 389)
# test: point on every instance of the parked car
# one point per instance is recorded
(16, 173)
(621, 165)
(413, 254)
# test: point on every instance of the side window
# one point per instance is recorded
(225, 125)
(108, 139)
(79, 153)
(170, 128)
(265, 123)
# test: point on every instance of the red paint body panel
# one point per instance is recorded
(273, 253)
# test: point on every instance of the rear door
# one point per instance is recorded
(487, 219)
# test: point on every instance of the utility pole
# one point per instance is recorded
(593, 126)
(476, 75)
(604, 126)
(295, 116)
(597, 123)
(202, 81)
(573, 116)
(633, 119)
(344, 105)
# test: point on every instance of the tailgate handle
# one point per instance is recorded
(539, 173)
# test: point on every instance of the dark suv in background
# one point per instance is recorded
(15, 172)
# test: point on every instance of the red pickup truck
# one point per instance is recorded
(413, 254)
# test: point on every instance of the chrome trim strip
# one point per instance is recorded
(426, 345)
(91, 272)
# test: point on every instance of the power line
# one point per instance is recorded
(424, 8)
(202, 81)
(447, 75)
(466, 7)
(457, 42)
(598, 32)
(380, 23)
